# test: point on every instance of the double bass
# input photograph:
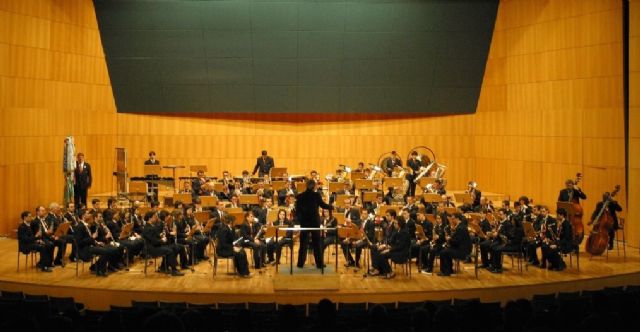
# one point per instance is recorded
(576, 213)
(598, 239)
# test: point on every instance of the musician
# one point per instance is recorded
(70, 215)
(198, 237)
(133, 243)
(227, 180)
(560, 241)
(199, 186)
(328, 221)
(28, 242)
(289, 189)
(157, 244)
(186, 188)
(398, 250)
(171, 232)
(495, 239)
(422, 247)
(285, 241)
(82, 181)
(225, 247)
(89, 246)
(476, 195)
(261, 211)
(235, 202)
(187, 245)
(531, 245)
(392, 162)
(45, 232)
(54, 219)
(264, 163)
(612, 208)
(458, 245)
(436, 244)
(252, 237)
(356, 223)
(548, 227)
(513, 243)
(307, 205)
(152, 188)
(439, 187)
(224, 195)
(412, 207)
(415, 165)
(104, 236)
(485, 205)
(95, 206)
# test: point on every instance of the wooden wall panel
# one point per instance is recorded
(551, 101)
(53, 83)
(633, 224)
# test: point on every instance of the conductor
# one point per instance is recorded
(307, 205)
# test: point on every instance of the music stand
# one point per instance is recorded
(152, 170)
(208, 201)
(392, 182)
(301, 187)
(173, 168)
(217, 187)
(234, 210)
(277, 185)
(62, 229)
(451, 210)
(355, 176)
(424, 181)
(369, 196)
(340, 199)
(382, 210)
(277, 172)
(184, 198)
(432, 198)
(334, 187)
(238, 218)
(529, 231)
(363, 184)
(137, 189)
(463, 198)
(249, 199)
(340, 219)
(202, 216)
(197, 168)
(272, 215)
(568, 206)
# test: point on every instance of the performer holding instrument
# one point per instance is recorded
(573, 194)
(27, 242)
(605, 223)
(458, 244)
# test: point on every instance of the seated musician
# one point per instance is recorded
(397, 250)
(186, 188)
(422, 246)
(54, 219)
(439, 187)
(227, 180)
(352, 219)
(45, 232)
(287, 240)
(531, 245)
(559, 241)
(28, 242)
(224, 195)
(476, 194)
(199, 185)
(495, 239)
(70, 216)
(131, 241)
(171, 232)
(249, 233)
(506, 205)
(196, 229)
(289, 189)
(411, 206)
(155, 238)
(547, 224)
(328, 221)
(187, 245)
(368, 237)
(360, 168)
(436, 245)
(485, 205)
(525, 207)
(513, 244)
(261, 211)
(458, 244)
(116, 262)
(226, 247)
(86, 233)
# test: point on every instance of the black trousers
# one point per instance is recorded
(446, 259)
(259, 252)
(423, 254)
(316, 244)
(61, 245)
(552, 255)
(531, 248)
(80, 196)
(44, 249)
(381, 263)
(105, 255)
(433, 252)
(496, 254)
(168, 252)
(241, 262)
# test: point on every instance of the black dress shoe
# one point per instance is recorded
(58, 263)
(73, 259)
(46, 269)
(101, 274)
(442, 274)
(176, 273)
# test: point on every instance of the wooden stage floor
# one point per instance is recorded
(199, 286)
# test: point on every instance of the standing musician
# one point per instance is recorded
(264, 163)
(499, 237)
(612, 208)
(307, 205)
(250, 234)
(398, 250)
(45, 232)
(152, 191)
(415, 165)
(28, 242)
(155, 237)
(392, 162)
(199, 185)
(226, 247)
(82, 181)
(423, 246)
(559, 241)
(88, 245)
(458, 245)
(571, 193)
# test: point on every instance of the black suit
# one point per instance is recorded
(415, 166)
(307, 206)
(575, 194)
(38, 224)
(263, 165)
(612, 208)
(82, 184)
(87, 247)
(224, 248)
(156, 247)
(459, 247)
(27, 242)
(391, 165)
(399, 252)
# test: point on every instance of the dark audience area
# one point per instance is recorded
(610, 309)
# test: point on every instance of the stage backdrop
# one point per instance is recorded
(295, 56)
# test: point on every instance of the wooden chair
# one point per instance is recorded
(31, 254)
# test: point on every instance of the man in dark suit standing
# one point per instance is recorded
(392, 162)
(307, 206)
(152, 191)
(82, 181)
(263, 165)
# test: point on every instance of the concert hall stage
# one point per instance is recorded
(199, 286)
